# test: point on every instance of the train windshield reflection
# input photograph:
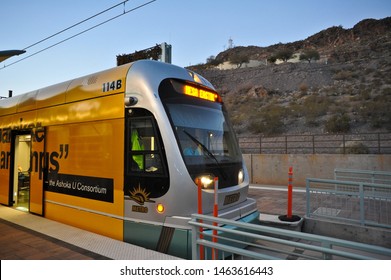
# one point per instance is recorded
(203, 132)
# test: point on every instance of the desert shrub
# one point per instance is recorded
(356, 148)
(386, 91)
(269, 120)
(343, 75)
(238, 59)
(295, 110)
(365, 94)
(303, 88)
(266, 126)
(377, 112)
(338, 124)
(315, 106)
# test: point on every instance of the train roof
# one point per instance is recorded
(87, 87)
(70, 91)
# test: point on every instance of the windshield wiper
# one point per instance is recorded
(206, 150)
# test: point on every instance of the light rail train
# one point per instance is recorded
(118, 153)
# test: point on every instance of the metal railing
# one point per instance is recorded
(239, 240)
(364, 143)
(369, 176)
(349, 201)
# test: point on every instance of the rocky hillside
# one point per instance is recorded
(347, 89)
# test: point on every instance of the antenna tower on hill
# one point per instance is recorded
(230, 43)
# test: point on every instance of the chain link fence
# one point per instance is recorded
(363, 143)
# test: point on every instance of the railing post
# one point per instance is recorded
(362, 213)
(378, 143)
(327, 256)
(307, 190)
(313, 144)
(260, 144)
(199, 185)
(215, 214)
(286, 144)
(194, 252)
(289, 206)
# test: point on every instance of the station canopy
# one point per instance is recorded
(7, 54)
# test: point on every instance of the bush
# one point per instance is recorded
(266, 126)
(338, 124)
(269, 120)
(343, 75)
(356, 148)
(238, 59)
(303, 88)
(377, 112)
(310, 54)
(284, 54)
(315, 106)
(386, 91)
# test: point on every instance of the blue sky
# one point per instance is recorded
(195, 29)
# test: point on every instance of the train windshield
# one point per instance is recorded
(204, 134)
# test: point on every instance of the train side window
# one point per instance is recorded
(144, 155)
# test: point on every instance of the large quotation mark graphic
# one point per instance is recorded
(62, 146)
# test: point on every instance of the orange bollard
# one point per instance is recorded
(290, 179)
(215, 214)
(199, 185)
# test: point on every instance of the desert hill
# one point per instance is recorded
(346, 89)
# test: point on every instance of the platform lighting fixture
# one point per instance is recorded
(10, 53)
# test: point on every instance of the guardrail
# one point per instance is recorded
(364, 143)
(349, 201)
(369, 176)
(249, 241)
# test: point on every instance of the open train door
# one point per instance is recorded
(37, 173)
(19, 183)
(6, 194)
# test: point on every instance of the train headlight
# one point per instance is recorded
(240, 176)
(206, 181)
(130, 101)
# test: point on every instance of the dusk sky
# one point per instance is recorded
(195, 29)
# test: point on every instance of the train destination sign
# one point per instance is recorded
(200, 93)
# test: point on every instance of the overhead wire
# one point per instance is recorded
(82, 32)
(76, 24)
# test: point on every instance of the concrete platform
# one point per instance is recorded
(33, 237)
(27, 236)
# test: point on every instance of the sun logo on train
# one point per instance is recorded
(140, 195)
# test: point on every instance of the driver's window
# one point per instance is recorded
(144, 147)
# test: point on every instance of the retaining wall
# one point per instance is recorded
(272, 169)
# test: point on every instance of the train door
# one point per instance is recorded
(146, 179)
(38, 161)
(146, 164)
(28, 161)
(20, 170)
